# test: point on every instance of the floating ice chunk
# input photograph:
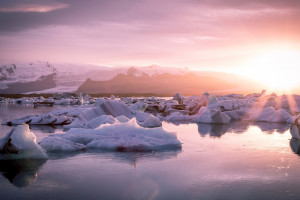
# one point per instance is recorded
(107, 107)
(269, 115)
(294, 120)
(104, 119)
(63, 102)
(219, 117)
(20, 143)
(127, 136)
(99, 101)
(85, 116)
(122, 119)
(53, 143)
(43, 119)
(115, 108)
(22, 120)
(213, 103)
(212, 116)
(294, 129)
(180, 117)
(227, 105)
(179, 98)
(236, 114)
(151, 122)
(194, 109)
(139, 106)
(141, 117)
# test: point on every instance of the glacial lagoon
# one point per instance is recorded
(239, 160)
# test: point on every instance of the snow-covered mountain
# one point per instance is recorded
(45, 77)
(68, 77)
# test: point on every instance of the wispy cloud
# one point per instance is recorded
(40, 8)
(209, 33)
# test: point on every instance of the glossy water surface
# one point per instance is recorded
(235, 161)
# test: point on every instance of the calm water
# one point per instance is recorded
(235, 161)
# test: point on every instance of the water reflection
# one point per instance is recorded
(214, 130)
(217, 130)
(21, 173)
(132, 158)
(272, 127)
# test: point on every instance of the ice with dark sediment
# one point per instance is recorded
(20, 143)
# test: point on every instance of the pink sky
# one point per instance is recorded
(199, 34)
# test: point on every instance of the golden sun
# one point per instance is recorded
(277, 70)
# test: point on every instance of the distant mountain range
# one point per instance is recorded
(189, 83)
(43, 77)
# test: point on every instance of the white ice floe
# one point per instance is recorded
(115, 108)
(212, 116)
(44, 119)
(179, 98)
(179, 117)
(213, 103)
(255, 107)
(104, 119)
(268, 114)
(151, 122)
(58, 144)
(20, 143)
(122, 118)
(127, 136)
(138, 106)
(107, 107)
(99, 101)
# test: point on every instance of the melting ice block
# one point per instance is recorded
(295, 128)
(151, 122)
(269, 114)
(20, 143)
(128, 136)
(212, 116)
(107, 107)
(104, 119)
(53, 143)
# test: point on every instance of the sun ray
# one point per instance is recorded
(292, 104)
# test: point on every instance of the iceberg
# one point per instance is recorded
(57, 144)
(128, 136)
(268, 114)
(179, 98)
(294, 128)
(20, 143)
(104, 119)
(151, 122)
(212, 116)
(107, 107)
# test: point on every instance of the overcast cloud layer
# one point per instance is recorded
(203, 34)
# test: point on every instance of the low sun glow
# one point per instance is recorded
(277, 70)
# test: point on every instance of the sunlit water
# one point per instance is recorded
(235, 161)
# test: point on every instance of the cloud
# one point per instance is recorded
(183, 32)
(40, 8)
